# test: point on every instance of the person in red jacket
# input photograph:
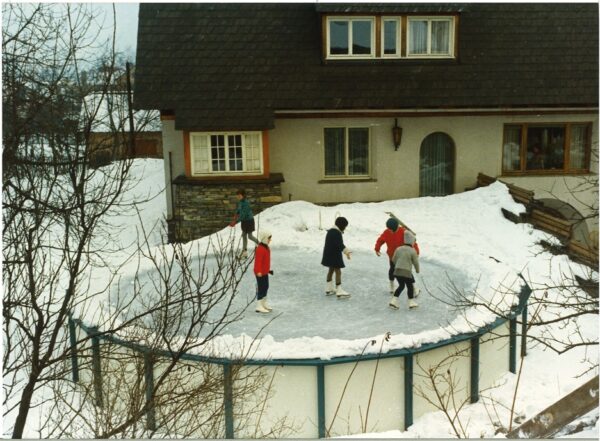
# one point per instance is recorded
(392, 237)
(262, 269)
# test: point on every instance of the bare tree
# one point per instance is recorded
(56, 208)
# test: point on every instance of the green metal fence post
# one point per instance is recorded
(96, 366)
(228, 401)
(73, 341)
(408, 390)
(321, 400)
(149, 379)
(512, 338)
(475, 369)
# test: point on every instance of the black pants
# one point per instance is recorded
(409, 282)
(263, 286)
(391, 271)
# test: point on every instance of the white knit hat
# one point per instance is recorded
(264, 236)
(409, 238)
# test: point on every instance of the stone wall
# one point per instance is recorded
(204, 207)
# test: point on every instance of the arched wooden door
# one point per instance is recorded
(436, 165)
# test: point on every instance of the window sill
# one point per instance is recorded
(345, 180)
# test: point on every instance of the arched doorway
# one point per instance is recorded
(436, 165)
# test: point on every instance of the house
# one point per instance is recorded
(108, 139)
(334, 103)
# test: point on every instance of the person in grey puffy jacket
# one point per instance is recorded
(405, 258)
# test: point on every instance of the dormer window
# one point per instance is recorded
(350, 37)
(388, 36)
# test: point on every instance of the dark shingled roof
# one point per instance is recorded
(229, 66)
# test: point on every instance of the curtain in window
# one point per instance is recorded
(577, 152)
(334, 152)
(358, 151)
(511, 154)
(418, 37)
(440, 37)
(436, 165)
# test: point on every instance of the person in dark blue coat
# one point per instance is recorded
(332, 257)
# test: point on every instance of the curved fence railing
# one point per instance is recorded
(322, 390)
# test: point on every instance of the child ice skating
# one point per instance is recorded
(243, 214)
(392, 237)
(262, 269)
(405, 258)
(332, 257)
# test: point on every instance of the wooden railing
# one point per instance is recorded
(546, 219)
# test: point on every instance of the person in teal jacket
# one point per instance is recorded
(243, 214)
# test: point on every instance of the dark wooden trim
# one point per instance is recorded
(187, 154)
(456, 29)
(324, 34)
(391, 114)
(273, 178)
(345, 180)
(378, 43)
(167, 115)
(403, 42)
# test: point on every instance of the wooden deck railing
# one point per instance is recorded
(546, 219)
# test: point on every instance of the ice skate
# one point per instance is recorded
(392, 287)
(266, 305)
(330, 290)
(412, 304)
(417, 292)
(394, 303)
(260, 307)
(340, 293)
(243, 255)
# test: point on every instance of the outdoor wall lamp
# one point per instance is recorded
(396, 134)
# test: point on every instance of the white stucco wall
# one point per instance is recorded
(173, 143)
(296, 150)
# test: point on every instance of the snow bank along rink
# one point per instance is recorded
(464, 239)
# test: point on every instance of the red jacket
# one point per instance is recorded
(393, 240)
(262, 259)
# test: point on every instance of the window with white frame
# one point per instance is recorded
(346, 152)
(430, 37)
(350, 37)
(390, 37)
(226, 153)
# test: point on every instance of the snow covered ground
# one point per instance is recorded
(464, 239)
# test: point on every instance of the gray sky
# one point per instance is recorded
(127, 24)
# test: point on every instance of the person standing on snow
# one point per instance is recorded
(243, 214)
(262, 269)
(332, 257)
(392, 237)
(404, 258)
